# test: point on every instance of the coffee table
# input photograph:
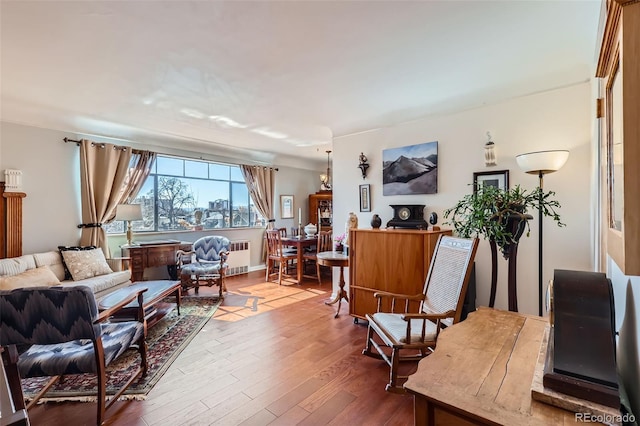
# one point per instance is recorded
(154, 308)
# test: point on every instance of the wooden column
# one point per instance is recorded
(3, 224)
(12, 209)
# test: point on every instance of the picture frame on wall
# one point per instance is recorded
(410, 169)
(365, 197)
(286, 207)
(497, 178)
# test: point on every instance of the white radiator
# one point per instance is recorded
(239, 258)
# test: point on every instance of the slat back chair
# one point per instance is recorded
(440, 306)
(67, 335)
(277, 255)
(324, 244)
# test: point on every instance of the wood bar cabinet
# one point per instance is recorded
(394, 260)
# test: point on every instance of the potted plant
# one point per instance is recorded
(500, 215)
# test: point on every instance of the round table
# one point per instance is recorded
(339, 259)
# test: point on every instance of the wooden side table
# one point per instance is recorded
(481, 374)
(338, 259)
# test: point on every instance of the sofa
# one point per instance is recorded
(103, 276)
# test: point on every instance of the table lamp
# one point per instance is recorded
(129, 212)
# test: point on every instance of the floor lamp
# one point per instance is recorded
(541, 163)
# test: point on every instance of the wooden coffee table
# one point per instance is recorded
(154, 308)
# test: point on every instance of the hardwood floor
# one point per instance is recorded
(271, 355)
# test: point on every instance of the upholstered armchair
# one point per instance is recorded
(205, 264)
(66, 335)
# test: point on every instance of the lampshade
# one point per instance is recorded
(542, 161)
(128, 212)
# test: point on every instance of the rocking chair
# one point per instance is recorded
(440, 306)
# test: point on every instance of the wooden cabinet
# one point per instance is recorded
(321, 203)
(10, 222)
(395, 260)
(619, 69)
(149, 255)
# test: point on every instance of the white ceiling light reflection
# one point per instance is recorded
(265, 131)
(226, 122)
(192, 113)
(300, 142)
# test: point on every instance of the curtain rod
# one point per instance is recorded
(102, 145)
(135, 151)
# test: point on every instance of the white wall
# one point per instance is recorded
(51, 177)
(558, 119)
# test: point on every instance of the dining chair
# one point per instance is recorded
(277, 255)
(323, 244)
(440, 306)
(63, 333)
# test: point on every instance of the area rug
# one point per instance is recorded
(165, 341)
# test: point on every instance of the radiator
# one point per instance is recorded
(239, 258)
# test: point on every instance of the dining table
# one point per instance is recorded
(300, 242)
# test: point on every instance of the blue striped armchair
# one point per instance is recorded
(64, 333)
(205, 264)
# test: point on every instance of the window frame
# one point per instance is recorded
(232, 206)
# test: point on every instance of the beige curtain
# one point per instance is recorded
(141, 165)
(103, 171)
(261, 183)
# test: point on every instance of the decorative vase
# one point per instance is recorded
(310, 229)
(376, 222)
(339, 247)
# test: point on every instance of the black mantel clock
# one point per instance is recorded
(408, 216)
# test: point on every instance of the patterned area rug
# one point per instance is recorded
(165, 340)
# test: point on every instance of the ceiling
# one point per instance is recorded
(267, 80)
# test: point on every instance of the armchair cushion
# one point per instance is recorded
(77, 356)
(200, 268)
(210, 248)
(395, 327)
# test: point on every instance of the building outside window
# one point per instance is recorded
(181, 195)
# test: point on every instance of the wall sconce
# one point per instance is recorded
(363, 165)
(489, 152)
(326, 178)
(128, 212)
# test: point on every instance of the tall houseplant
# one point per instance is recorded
(500, 215)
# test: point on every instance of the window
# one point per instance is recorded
(182, 194)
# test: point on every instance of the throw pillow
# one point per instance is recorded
(67, 274)
(86, 263)
(36, 277)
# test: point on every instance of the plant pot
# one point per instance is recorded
(516, 224)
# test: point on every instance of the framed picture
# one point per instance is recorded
(286, 207)
(497, 178)
(365, 198)
(410, 169)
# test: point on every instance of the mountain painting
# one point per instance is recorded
(411, 169)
